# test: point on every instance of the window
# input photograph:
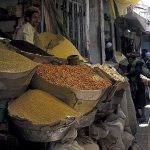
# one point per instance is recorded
(74, 22)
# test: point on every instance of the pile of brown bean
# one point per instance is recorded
(79, 77)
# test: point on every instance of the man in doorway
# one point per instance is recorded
(28, 31)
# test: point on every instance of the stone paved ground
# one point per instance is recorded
(141, 136)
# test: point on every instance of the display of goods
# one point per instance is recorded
(110, 72)
(12, 62)
(77, 77)
(78, 86)
(40, 108)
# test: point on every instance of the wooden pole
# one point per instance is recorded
(42, 15)
(102, 34)
(87, 27)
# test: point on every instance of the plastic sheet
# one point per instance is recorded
(128, 1)
(121, 5)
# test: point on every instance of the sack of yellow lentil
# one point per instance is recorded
(41, 117)
(78, 86)
(58, 45)
(16, 72)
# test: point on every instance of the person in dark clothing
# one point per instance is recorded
(131, 59)
(144, 51)
(109, 52)
(140, 97)
(146, 57)
(135, 69)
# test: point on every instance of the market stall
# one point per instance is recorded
(51, 98)
(63, 106)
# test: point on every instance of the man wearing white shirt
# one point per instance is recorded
(28, 31)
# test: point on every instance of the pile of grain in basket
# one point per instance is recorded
(13, 62)
(79, 77)
(40, 108)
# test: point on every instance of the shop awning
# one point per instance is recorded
(122, 6)
(136, 21)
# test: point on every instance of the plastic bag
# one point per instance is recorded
(66, 146)
(127, 139)
(87, 143)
